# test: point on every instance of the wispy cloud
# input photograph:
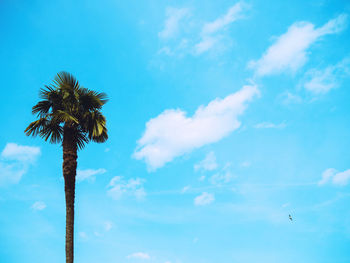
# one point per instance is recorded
(205, 44)
(172, 22)
(197, 38)
(105, 227)
(289, 52)
(285, 205)
(89, 174)
(15, 162)
(222, 177)
(201, 178)
(246, 164)
(139, 255)
(172, 133)
(11, 173)
(332, 201)
(270, 125)
(108, 225)
(342, 178)
(204, 199)
(288, 98)
(118, 187)
(335, 177)
(185, 189)
(83, 236)
(208, 163)
(210, 34)
(233, 13)
(322, 81)
(327, 175)
(39, 205)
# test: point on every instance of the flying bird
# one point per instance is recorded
(290, 218)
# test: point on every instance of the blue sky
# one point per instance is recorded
(224, 118)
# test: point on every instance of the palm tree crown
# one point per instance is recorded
(67, 105)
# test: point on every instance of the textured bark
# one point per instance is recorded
(69, 172)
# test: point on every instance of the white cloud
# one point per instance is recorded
(166, 50)
(140, 193)
(234, 13)
(139, 255)
(172, 133)
(270, 125)
(289, 52)
(322, 81)
(39, 205)
(11, 173)
(119, 187)
(206, 43)
(13, 151)
(198, 40)
(89, 174)
(108, 225)
(208, 164)
(83, 236)
(178, 50)
(337, 178)
(222, 177)
(210, 34)
(341, 178)
(246, 164)
(204, 199)
(327, 175)
(15, 162)
(290, 98)
(185, 189)
(201, 178)
(98, 234)
(174, 16)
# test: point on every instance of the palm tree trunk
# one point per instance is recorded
(69, 173)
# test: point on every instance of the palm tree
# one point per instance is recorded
(69, 114)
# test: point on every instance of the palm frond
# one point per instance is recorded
(62, 116)
(91, 100)
(81, 139)
(35, 127)
(94, 123)
(44, 93)
(101, 96)
(42, 108)
(53, 131)
(99, 129)
(102, 137)
(65, 80)
(52, 95)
